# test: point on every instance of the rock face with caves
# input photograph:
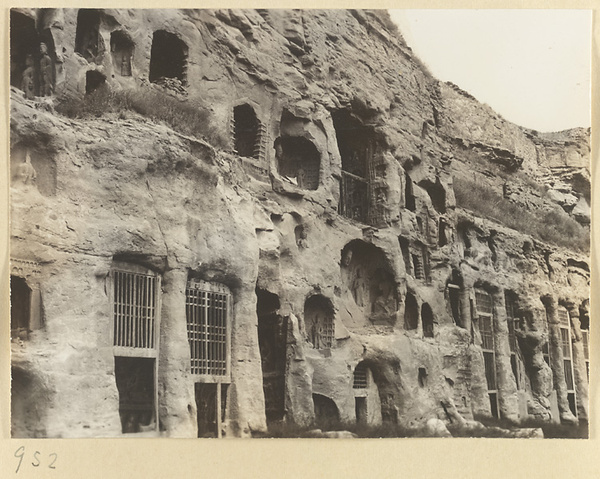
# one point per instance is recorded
(344, 239)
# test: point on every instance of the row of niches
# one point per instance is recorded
(36, 63)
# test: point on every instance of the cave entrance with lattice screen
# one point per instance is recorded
(136, 319)
(361, 168)
(485, 318)
(208, 311)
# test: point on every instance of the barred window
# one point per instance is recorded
(207, 313)
(360, 377)
(136, 318)
(135, 310)
(484, 303)
(485, 313)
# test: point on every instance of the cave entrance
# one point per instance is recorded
(246, 129)
(93, 81)
(327, 415)
(427, 320)
(20, 308)
(411, 312)
(24, 49)
(299, 160)
(436, 193)
(121, 47)
(88, 41)
(135, 383)
(210, 406)
(167, 57)
(358, 147)
(272, 339)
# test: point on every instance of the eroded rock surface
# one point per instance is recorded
(355, 285)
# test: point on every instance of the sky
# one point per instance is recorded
(531, 66)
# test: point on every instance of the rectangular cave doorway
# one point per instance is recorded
(135, 383)
(272, 340)
(211, 401)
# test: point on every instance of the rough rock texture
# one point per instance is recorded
(346, 195)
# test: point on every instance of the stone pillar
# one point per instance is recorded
(557, 361)
(465, 309)
(177, 405)
(580, 370)
(532, 337)
(506, 383)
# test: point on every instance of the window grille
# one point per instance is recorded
(487, 334)
(360, 377)
(135, 309)
(586, 344)
(563, 317)
(490, 370)
(484, 302)
(565, 342)
(207, 310)
(418, 266)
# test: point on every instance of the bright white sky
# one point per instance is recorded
(531, 66)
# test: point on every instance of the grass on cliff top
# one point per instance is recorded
(555, 227)
(150, 102)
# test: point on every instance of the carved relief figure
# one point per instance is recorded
(28, 80)
(46, 80)
(25, 173)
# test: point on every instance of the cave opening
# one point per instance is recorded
(168, 57)
(299, 160)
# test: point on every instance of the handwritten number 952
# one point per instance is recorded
(37, 458)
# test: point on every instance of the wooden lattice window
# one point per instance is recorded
(136, 296)
(360, 377)
(136, 321)
(565, 341)
(208, 308)
(513, 323)
(485, 312)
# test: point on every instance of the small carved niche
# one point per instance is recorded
(318, 320)
(30, 166)
(121, 48)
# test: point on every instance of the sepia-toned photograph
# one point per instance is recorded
(297, 224)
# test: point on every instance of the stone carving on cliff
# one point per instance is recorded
(330, 210)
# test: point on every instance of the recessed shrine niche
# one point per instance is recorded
(319, 322)
(369, 282)
(88, 41)
(121, 49)
(32, 57)
(32, 167)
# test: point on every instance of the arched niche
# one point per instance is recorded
(121, 49)
(168, 57)
(368, 278)
(318, 322)
(299, 160)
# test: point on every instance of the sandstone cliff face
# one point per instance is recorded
(363, 288)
